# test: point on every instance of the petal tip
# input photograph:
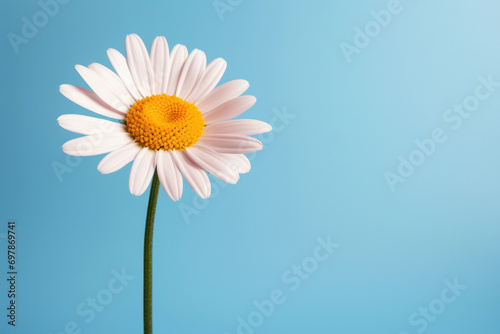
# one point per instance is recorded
(111, 52)
(65, 148)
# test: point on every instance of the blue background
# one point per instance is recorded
(321, 173)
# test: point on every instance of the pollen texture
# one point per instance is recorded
(164, 122)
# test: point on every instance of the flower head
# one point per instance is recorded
(171, 118)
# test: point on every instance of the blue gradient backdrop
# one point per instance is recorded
(320, 174)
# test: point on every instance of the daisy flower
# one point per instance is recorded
(171, 118)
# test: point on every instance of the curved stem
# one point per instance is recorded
(148, 256)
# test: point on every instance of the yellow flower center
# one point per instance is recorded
(164, 122)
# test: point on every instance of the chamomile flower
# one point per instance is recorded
(169, 117)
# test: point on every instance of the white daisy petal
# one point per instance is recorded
(160, 60)
(229, 109)
(211, 77)
(194, 175)
(231, 144)
(221, 94)
(177, 59)
(140, 65)
(238, 162)
(89, 100)
(191, 73)
(169, 175)
(119, 158)
(142, 171)
(102, 88)
(86, 125)
(115, 83)
(212, 163)
(245, 127)
(97, 144)
(120, 65)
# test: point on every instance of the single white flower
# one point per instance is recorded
(172, 117)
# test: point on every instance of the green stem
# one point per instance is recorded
(148, 256)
